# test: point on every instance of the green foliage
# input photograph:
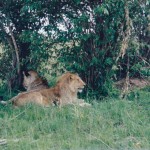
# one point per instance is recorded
(84, 37)
(39, 49)
(93, 52)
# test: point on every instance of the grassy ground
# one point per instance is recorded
(110, 124)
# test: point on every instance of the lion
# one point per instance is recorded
(32, 81)
(64, 92)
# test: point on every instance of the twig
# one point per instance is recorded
(19, 114)
(100, 141)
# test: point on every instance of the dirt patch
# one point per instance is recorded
(132, 83)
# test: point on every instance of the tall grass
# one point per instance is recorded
(110, 124)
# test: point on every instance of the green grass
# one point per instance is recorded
(110, 124)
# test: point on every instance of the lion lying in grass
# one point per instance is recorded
(65, 92)
(32, 81)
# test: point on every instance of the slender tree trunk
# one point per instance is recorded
(16, 50)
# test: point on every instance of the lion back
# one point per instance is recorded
(32, 81)
(39, 84)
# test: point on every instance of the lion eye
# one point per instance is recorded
(78, 80)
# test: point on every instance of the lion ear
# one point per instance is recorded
(70, 77)
(77, 74)
(24, 74)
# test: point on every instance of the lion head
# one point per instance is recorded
(72, 81)
(75, 83)
(29, 77)
(68, 86)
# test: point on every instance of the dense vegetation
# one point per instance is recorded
(102, 40)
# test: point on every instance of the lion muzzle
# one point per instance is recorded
(80, 89)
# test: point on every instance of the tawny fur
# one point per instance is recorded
(34, 82)
(65, 92)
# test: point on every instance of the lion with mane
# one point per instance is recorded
(64, 92)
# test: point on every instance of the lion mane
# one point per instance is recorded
(64, 92)
(32, 81)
